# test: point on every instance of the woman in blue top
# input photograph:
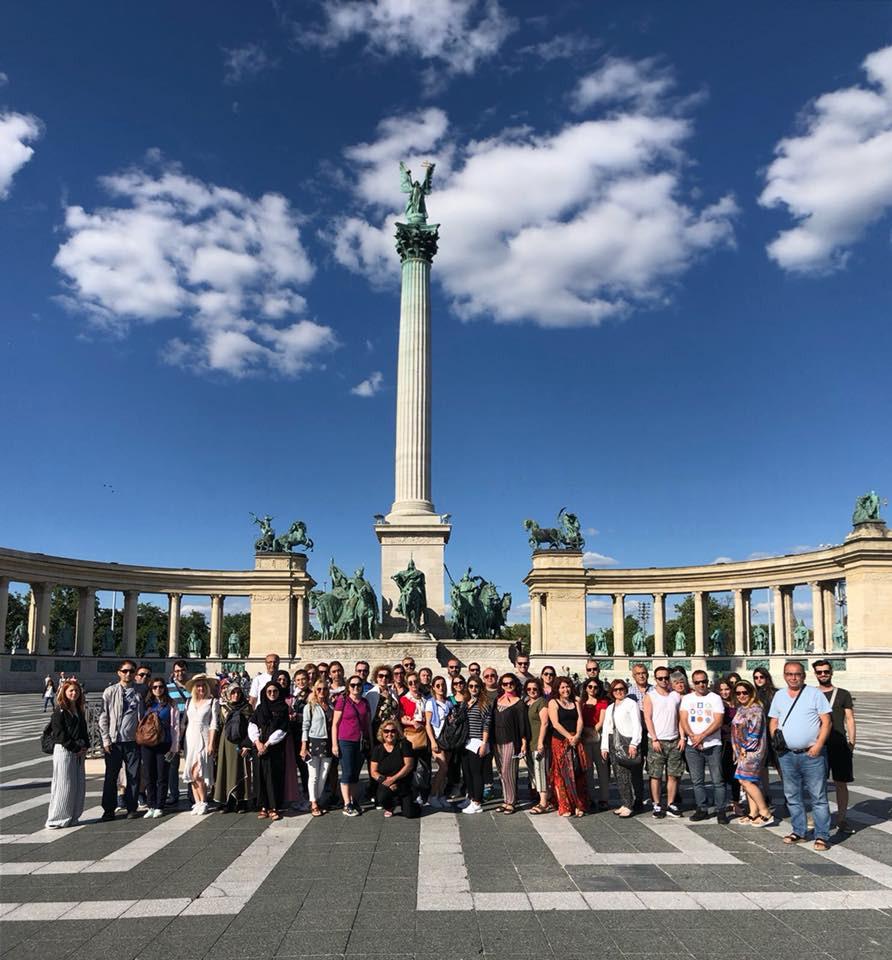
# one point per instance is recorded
(156, 758)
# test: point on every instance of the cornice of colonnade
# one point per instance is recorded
(564, 569)
(23, 567)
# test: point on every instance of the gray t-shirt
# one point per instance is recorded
(129, 715)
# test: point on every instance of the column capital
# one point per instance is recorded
(417, 241)
(84, 591)
(174, 594)
(659, 595)
(216, 596)
(130, 594)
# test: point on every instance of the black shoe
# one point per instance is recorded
(134, 815)
(106, 817)
(698, 815)
(673, 811)
(722, 817)
(658, 812)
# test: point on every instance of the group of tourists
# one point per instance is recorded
(394, 737)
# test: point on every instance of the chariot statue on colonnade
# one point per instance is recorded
(268, 542)
(565, 536)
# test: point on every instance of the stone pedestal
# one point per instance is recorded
(422, 539)
(274, 608)
(868, 574)
(561, 620)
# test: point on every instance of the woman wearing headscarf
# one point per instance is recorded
(232, 788)
(267, 731)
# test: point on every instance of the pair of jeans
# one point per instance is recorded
(155, 770)
(173, 781)
(698, 761)
(472, 765)
(804, 774)
(126, 755)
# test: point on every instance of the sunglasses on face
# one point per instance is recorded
(548, 673)
(821, 673)
(592, 669)
(125, 670)
(272, 692)
(698, 682)
(619, 690)
(507, 683)
(661, 679)
(157, 686)
(412, 683)
(390, 732)
(355, 686)
(742, 693)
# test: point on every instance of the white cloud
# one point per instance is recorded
(242, 63)
(174, 247)
(453, 35)
(562, 228)
(596, 604)
(591, 531)
(723, 560)
(16, 131)
(592, 559)
(835, 177)
(759, 555)
(4, 79)
(370, 386)
(617, 80)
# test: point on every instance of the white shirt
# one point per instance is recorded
(665, 714)
(626, 717)
(701, 711)
(258, 683)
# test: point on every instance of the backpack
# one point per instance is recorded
(148, 730)
(46, 738)
(454, 734)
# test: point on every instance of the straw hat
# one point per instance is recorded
(211, 683)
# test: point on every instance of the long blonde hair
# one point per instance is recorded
(313, 699)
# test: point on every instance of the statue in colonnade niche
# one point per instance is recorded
(193, 645)
(867, 509)
(840, 637)
(760, 640)
(639, 641)
(717, 643)
(19, 639)
(802, 642)
(413, 596)
(108, 641)
(565, 536)
(233, 645)
(151, 647)
(681, 643)
(600, 638)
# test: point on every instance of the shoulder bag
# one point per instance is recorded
(619, 747)
(777, 740)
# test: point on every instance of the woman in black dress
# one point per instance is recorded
(267, 731)
(390, 768)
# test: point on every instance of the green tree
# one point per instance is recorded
(150, 618)
(16, 613)
(63, 612)
(101, 623)
(518, 633)
(239, 623)
(194, 620)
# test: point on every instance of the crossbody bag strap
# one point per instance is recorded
(787, 717)
(833, 697)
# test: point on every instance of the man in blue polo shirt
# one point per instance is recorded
(803, 714)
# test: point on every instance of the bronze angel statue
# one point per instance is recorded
(416, 211)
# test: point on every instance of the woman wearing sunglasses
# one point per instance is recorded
(621, 731)
(315, 743)
(436, 709)
(510, 734)
(156, 758)
(390, 768)
(351, 730)
(477, 744)
(749, 742)
(267, 731)
(412, 705)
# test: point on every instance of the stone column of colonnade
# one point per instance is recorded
(83, 632)
(4, 606)
(659, 601)
(789, 618)
(829, 607)
(216, 645)
(174, 604)
(740, 630)
(817, 617)
(700, 623)
(131, 601)
(619, 624)
(780, 633)
(39, 618)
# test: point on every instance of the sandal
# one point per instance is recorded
(821, 845)
(745, 821)
(315, 811)
(580, 812)
(761, 820)
(793, 838)
(263, 815)
(508, 808)
(538, 809)
(275, 815)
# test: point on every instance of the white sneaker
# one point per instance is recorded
(202, 809)
(473, 807)
(149, 814)
(157, 813)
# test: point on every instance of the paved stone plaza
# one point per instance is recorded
(445, 886)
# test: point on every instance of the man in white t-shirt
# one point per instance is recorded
(271, 661)
(664, 748)
(700, 720)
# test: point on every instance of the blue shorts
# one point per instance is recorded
(351, 760)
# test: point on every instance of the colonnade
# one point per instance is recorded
(783, 621)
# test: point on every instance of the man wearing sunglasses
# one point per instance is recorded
(841, 742)
(700, 719)
(122, 709)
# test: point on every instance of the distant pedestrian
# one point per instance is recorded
(49, 692)
(70, 743)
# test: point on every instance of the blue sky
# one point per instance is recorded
(662, 296)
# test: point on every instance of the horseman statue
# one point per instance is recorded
(478, 610)
(413, 596)
(349, 611)
(867, 509)
(268, 542)
(565, 536)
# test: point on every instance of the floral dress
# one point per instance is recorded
(748, 736)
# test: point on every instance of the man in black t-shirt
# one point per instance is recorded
(841, 742)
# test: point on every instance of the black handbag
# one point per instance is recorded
(778, 741)
(619, 750)
(46, 739)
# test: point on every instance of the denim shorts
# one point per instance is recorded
(351, 760)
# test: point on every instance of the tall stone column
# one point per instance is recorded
(536, 612)
(659, 624)
(301, 624)
(747, 620)
(174, 604)
(780, 632)
(789, 618)
(4, 609)
(817, 617)
(216, 645)
(829, 607)
(413, 530)
(42, 594)
(619, 624)
(86, 610)
(700, 624)
(739, 624)
(131, 601)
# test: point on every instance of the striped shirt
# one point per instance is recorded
(478, 721)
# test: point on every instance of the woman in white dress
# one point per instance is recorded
(203, 717)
